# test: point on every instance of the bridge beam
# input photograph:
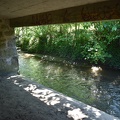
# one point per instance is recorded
(107, 10)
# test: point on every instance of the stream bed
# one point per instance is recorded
(95, 86)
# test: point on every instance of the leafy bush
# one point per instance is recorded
(93, 41)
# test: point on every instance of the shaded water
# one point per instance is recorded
(96, 87)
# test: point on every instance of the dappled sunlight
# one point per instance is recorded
(96, 70)
(58, 105)
(26, 55)
(76, 114)
(47, 96)
(30, 87)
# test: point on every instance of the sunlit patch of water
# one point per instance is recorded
(96, 70)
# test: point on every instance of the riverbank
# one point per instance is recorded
(23, 99)
(67, 62)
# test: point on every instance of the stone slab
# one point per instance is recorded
(41, 103)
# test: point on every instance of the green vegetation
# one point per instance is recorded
(94, 42)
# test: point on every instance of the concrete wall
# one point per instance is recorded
(8, 52)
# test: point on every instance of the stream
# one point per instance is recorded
(95, 86)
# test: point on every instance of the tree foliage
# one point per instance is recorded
(96, 42)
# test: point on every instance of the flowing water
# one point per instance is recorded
(94, 86)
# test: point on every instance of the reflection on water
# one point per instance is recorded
(94, 86)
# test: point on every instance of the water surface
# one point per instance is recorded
(94, 86)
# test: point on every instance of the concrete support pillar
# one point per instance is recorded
(8, 52)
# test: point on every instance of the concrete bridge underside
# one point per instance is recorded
(18, 13)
